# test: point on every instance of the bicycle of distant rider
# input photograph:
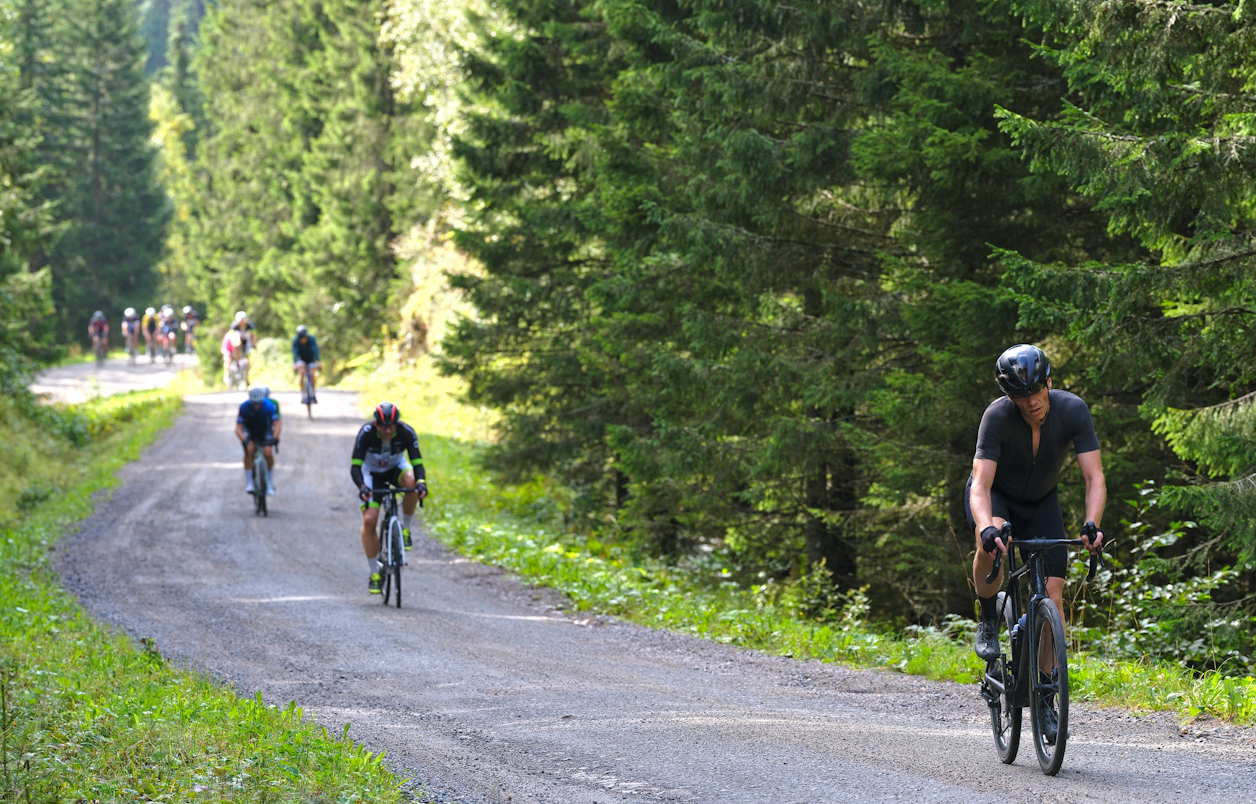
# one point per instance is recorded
(307, 391)
(1032, 667)
(169, 342)
(261, 475)
(132, 346)
(392, 548)
(238, 373)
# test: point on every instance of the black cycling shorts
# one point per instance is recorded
(1036, 520)
(269, 435)
(380, 481)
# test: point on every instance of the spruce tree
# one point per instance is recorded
(26, 225)
(106, 191)
(537, 87)
(1159, 134)
(303, 171)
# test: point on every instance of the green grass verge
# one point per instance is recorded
(518, 528)
(515, 528)
(87, 716)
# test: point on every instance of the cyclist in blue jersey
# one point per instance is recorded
(305, 354)
(258, 421)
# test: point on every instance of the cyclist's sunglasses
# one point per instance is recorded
(1030, 391)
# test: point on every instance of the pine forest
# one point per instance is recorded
(736, 272)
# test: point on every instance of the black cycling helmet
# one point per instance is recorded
(302, 331)
(1022, 370)
(386, 413)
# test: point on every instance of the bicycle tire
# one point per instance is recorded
(1051, 756)
(308, 392)
(259, 484)
(385, 560)
(398, 549)
(1005, 715)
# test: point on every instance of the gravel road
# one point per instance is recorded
(484, 690)
(79, 382)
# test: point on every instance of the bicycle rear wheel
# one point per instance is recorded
(1049, 699)
(998, 687)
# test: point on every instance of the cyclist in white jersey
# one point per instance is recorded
(387, 449)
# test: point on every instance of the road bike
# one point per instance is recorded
(238, 374)
(189, 340)
(100, 348)
(261, 475)
(392, 548)
(132, 348)
(1032, 667)
(307, 391)
(170, 345)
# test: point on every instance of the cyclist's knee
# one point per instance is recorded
(371, 516)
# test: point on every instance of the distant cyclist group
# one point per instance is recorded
(160, 331)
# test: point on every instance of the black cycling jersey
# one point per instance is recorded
(1006, 438)
(371, 453)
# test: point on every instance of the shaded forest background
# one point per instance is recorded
(740, 270)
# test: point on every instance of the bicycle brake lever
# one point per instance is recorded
(994, 571)
(1096, 563)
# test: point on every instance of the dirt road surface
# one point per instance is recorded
(484, 690)
(79, 382)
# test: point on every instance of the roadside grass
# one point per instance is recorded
(520, 528)
(87, 716)
(516, 528)
(429, 402)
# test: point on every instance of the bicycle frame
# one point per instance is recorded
(1016, 680)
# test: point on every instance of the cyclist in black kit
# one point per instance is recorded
(1021, 447)
(388, 449)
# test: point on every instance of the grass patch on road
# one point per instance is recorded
(87, 716)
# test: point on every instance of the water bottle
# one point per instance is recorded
(1020, 625)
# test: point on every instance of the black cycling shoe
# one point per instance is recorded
(988, 640)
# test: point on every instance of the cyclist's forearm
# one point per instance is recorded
(355, 471)
(983, 510)
(1096, 499)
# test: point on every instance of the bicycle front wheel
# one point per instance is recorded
(259, 484)
(385, 559)
(398, 551)
(998, 687)
(1048, 704)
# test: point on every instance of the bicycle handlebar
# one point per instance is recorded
(1041, 545)
(382, 493)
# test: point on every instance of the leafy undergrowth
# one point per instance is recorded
(516, 528)
(86, 715)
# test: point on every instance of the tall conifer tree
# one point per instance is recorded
(106, 191)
